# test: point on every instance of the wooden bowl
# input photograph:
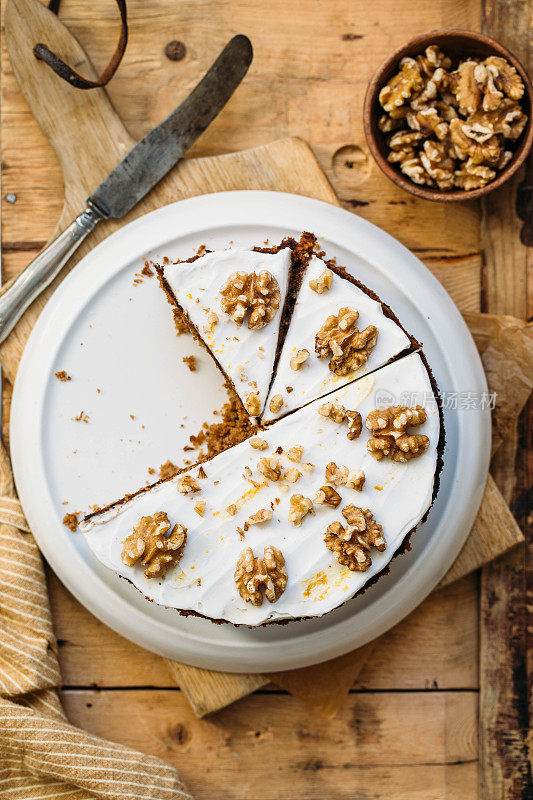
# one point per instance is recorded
(457, 45)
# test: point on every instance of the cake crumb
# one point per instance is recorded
(151, 471)
(147, 270)
(235, 426)
(71, 521)
(132, 416)
(180, 323)
(167, 470)
(82, 417)
(63, 376)
(289, 389)
(191, 362)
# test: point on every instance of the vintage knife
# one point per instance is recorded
(137, 173)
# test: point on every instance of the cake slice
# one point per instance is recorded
(294, 521)
(234, 300)
(338, 331)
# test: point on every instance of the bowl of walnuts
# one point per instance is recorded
(448, 116)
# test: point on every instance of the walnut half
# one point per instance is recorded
(351, 544)
(248, 291)
(391, 439)
(152, 542)
(340, 339)
(254, 575)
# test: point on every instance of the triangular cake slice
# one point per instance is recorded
(294, 521)
(338, 332)
(234, 300)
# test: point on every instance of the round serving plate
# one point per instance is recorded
(132, 403)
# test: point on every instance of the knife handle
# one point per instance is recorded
(43, 269)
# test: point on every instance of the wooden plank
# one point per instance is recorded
(314, 85)
(435, 645)
(416, 746)
(505, 669)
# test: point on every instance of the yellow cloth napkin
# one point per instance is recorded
(41, 754)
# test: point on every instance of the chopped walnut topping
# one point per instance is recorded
(257, 293)
(299, 507)
(252, 404)
(322, 283)
(437, 118)
(212, 320)
(306, 466)
(392, 440)
(333, 411)
(257, 443)
(276, 404)
(254, 575)
(342, 476)
(340, 339)
(328, 496)
(187, 484)
(355, 424)
(292, 475)
(270, 468)
(263, 515)
(356, 480)
(199, 507)
(337, 413)
(350, 544)
(295, 453)
(63, 376)
(299, 359)
(158, 547)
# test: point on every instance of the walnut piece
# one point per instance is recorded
(342, 476)
(333, 411)
(292, 475)
(402, 85)
(322, 283)
(187, 484)
(257, 443)
(249, 291)
(340, 339)
(327, 496)
(391, 439)
(152, 541)
(253, 575)
(436, 118)
(252, 404)
(350, 544)
(263, 515)
(299, 359)
(276, 404)
(270, 467)
(295, 453)
(299, 507)
(199, 507)
(337, 413)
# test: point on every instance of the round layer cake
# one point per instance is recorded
(342, 465)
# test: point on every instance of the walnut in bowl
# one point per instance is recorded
(448, 116)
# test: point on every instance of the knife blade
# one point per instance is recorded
(156, 154)
(144, 166)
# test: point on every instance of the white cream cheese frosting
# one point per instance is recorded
(314, 379)
(246, 356)
(398, 495)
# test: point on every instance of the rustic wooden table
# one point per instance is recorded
(441, 711)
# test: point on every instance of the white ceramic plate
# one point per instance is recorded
(117, 336)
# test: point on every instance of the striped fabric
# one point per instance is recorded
(42, 756)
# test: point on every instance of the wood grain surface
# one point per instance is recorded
(410, 726)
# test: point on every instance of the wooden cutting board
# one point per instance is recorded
(89, 140)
